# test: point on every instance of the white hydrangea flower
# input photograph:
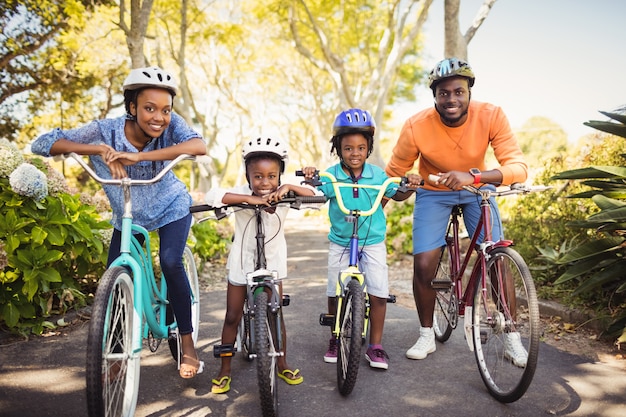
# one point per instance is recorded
(28, 181)
(10, 157)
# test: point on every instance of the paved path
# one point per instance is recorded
(45, 376)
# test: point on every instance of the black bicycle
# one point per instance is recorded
(260, 334)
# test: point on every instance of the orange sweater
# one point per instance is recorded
(439, 148)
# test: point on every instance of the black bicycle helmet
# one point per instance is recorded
(353, 121)
(450, 67)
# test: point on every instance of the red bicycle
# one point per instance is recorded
(497, 299)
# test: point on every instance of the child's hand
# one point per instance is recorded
(309, 172)
(414, 180)
(256, 200)
(279, 194)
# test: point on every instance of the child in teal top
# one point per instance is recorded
(352, 141)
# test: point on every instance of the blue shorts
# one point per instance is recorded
(432, 213)
(372, 263)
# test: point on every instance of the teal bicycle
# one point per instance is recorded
(130, 306)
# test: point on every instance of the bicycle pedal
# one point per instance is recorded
(224, 351)
(327, 319)
(286, 300)
(441, 284)
(391, 299)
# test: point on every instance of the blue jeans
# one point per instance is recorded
(173, 238)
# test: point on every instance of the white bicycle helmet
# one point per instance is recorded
(264, 146)
(150, 77)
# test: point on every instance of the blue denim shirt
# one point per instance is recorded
(154, 205)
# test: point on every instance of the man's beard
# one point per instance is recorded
(448, 120)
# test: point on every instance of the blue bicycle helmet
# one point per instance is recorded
(354, 121)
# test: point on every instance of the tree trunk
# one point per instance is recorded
(455, 42)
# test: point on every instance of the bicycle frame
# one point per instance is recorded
(133, 256)
(493, 329)
(352, 216)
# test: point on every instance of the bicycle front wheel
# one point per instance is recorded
(266, 355)
(446, 305)
(194, 288)
(505, 326)
(112, 369)
(352, 318)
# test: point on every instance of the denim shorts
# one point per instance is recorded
(432, 213)
(372, 263)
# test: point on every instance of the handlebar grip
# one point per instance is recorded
(299, 173)
(434, 178)
(200, 207)
(312, 199)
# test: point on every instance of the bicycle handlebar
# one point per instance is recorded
(516, 188)
(315, 181)
(126, 181)
(295, 202)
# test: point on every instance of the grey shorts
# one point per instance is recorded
(373, 264)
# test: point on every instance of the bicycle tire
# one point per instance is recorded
(245, 335)
(112, 370)
(493, 320)
(194, 287)
(350, 333)
(446, 313)
(266, 356)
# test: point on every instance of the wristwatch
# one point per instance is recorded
(476, 173)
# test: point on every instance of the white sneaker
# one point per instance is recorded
(514, 350)
(425, 344)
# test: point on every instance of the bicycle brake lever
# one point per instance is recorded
(313, 182)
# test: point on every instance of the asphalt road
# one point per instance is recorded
(45, 376)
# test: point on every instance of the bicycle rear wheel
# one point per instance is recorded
(446, 314)
(112, 370)
(506, 314)
(349, 345)
(194, 287)
(267, 355)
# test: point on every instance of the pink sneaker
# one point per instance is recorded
(331, 353)
(377, 357)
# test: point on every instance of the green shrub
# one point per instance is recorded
(400, 227)
(54, 252)
(211, 240)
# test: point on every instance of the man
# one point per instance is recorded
(451, 140)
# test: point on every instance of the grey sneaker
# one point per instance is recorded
(514, 350)
(331, 353)
(424, 345)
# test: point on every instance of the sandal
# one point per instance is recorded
(294, 379)
(192, 368)
(221, 386)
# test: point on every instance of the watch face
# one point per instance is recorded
(474, 171)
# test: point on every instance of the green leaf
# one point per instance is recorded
(592, 248)
(608, 127)
(591, 172)
(611, 216)
(578, 269)
(615, 116)
(10, 314)
(609, 273)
